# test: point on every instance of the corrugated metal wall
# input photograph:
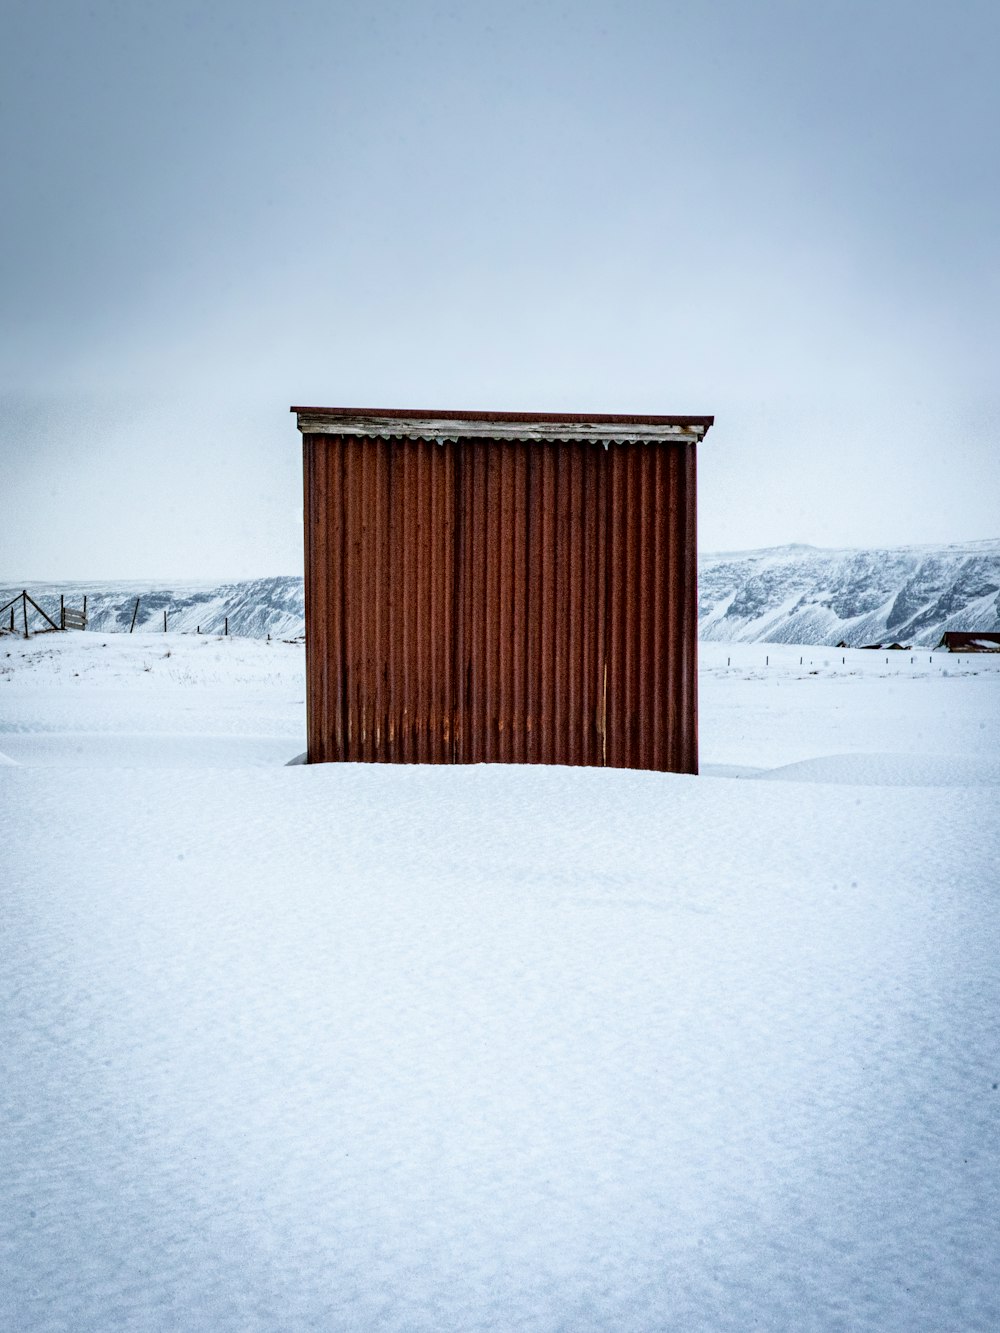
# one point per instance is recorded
(513, 602)
(379, 599)
(652, 609)
(529, 641)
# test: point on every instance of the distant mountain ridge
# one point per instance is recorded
(784, 594)
(254, 607)
(804, 594)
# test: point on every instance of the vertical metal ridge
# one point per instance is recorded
(648, 704)
(560, 609)
(639, 519)
(572, 667)
(591, 664)
(568, 546)
(651, 700)
(508, 609)
(364, 646)
(488, 607)
(415, 557)
(444, 564)
(612, 611)
(403, 587)
(533, 609)
(487, 612)
(494, 607)
(380, 664)
(427, 594)
(431, 547)
(315, 606)
(397, 506)
(425, 599)
(658, 576)
(371, 646)
(601, 611)
(557, 610)
(353, 625)
(501, 606)
(476, 665)
(689, 760)
(326, 633)
(475, 577)
(443, 559)
(457, 646)
(338, 614)
(316, 603)
(546, 576)
(589, 592)
(519, 603)
(426, 590)
(629, 643)
(484, 610)
(462, 627)
(532, 589)
(674, 624)
(632, 643)
(403, 656)
(475, 584)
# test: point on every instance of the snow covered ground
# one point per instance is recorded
(358, 1048)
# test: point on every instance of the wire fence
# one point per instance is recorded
(25, 616)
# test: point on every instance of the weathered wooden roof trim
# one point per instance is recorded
(538, 426)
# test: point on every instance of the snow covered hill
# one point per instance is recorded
(801, 594)
(785, 594)
(254, 607)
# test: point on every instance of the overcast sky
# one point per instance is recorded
(787, 214)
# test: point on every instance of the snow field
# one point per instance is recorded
(172, 700)
(360, 1047)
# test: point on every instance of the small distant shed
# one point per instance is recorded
(978, 641)
(501, 587)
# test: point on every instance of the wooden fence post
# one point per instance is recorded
(62, 611)
(40, 609)
(24, 608)
(226, 629)
(164, 622)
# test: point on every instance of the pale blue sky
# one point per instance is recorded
(783, 213)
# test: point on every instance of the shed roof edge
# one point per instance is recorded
(423, 424)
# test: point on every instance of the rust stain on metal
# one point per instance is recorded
(500, 600)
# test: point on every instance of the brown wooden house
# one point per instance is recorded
(501, 587)
(970, 641)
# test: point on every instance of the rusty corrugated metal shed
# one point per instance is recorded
(501, 587)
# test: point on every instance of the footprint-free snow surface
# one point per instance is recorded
(376, 1048)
